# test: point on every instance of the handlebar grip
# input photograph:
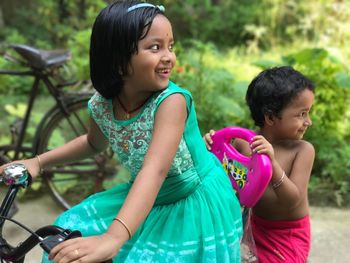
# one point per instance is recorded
(49, 243)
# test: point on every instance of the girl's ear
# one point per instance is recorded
(269, 119)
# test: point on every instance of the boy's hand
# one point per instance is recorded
(260, 145)
(207, 139)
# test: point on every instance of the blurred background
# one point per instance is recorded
(221, 45)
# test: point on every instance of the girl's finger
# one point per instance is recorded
(207, 144)
(208, 138)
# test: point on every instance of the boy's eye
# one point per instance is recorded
(171, 47)
(303, 114)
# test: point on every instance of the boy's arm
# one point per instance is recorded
(294, 188)
(290, 190)
(287, 190)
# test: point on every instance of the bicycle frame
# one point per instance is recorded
(17, 254)
(53, 90)
(17, 148)
(43, 66)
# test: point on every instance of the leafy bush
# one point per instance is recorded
(217, 96)
(330, 131)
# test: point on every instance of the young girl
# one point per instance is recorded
(179, 205)
(280, 100)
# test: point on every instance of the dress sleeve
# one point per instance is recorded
(172, 89)
(99, 111)
(91, 105)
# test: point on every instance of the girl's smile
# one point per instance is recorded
(151, 66)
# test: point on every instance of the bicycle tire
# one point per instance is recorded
(70, 184)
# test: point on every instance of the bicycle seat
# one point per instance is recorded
(41, 59)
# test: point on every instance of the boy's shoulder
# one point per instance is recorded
(306, 146)
(303, 145)
(298, 148)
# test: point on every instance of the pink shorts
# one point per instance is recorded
(282, 241)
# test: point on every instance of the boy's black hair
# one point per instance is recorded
(114, 39)
(272, 90)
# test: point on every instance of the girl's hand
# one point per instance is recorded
(260, 145)
(32, 166)
(207, 139)
(86, 249)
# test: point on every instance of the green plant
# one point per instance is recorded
(330, 131)
(216, 94)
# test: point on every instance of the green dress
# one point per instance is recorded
(196, 216)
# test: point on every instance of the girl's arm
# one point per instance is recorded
(166, 138)
(79, 148)
(167, 133)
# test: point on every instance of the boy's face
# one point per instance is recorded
(151, 66)
(295, 117)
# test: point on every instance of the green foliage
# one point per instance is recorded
(79, 47)
(220, 21)
(54, 22)
(330, 131)
(213, 88)
(13, 84)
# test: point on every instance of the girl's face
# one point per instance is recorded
(295, 118)
(151, 66)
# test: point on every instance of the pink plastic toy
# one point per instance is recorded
(249, 176)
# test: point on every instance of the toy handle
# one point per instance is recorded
(225, 136)
(251, 180)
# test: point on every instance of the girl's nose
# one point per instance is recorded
(168, 56)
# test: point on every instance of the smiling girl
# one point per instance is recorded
(179, 205)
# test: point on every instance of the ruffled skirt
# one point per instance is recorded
(205, 226)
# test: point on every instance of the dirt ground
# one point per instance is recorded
(330, 229)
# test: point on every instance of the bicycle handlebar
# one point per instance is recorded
(16, 176)
(47, 237)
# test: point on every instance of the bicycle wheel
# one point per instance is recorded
(70, 184)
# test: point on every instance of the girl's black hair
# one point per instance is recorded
(272, 90)
(114, 39)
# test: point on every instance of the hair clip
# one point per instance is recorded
(132, 8)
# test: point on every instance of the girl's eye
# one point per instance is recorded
(155, 47)
(171, 47)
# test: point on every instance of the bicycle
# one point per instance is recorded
(71, 183)
(16, 176)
